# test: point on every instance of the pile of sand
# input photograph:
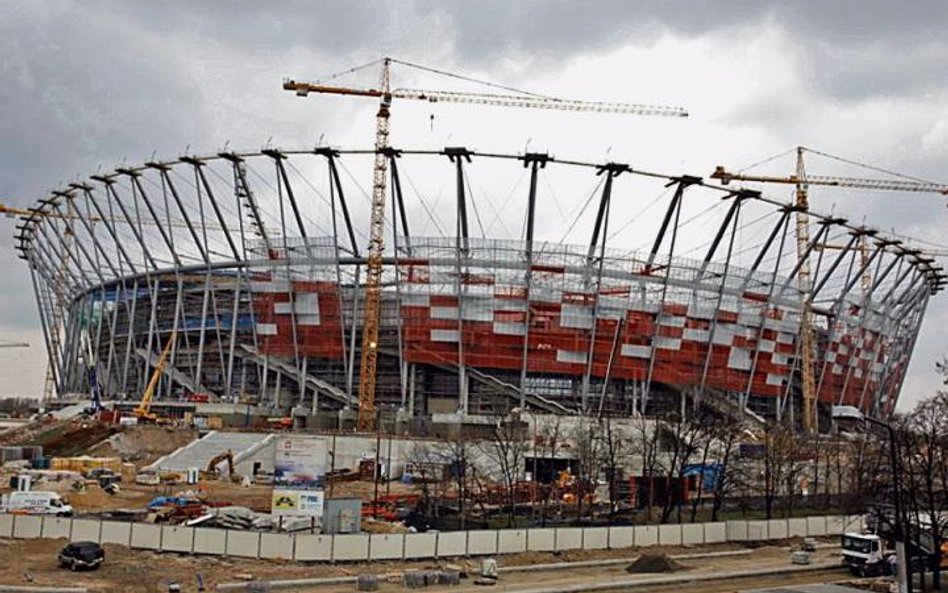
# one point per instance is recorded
(651, 563)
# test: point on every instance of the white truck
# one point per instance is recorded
(865, 555)
(35, 503)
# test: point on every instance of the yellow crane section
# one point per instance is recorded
(373, 282)
(801, 181)
(143, 411)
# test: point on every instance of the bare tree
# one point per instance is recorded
(924, 463)
(587, 445)
(615, 448)
(644, 445)
(781, 467)
(506, 451)
(548, 442)
(682, 435)
(726, 434)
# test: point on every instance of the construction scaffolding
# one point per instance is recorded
(257, 266)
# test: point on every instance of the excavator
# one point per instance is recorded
(227, 456)
(143, 411)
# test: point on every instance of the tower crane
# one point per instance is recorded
(801, 181)
(385, 94)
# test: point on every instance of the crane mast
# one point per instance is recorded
(373, 283)
(802, 182)
(803, 275)
(373, 280)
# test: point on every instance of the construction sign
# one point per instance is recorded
(299, 463)
(299, 503)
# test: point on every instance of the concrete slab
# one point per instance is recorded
(56, 527)
(854, 523)
(511, 541)
(669, 535)
(110, 532)
(386, 546)
(835, 525)
(27, 526)
(146, 536)
(541, 539)
(815, 526)
(6, 525)
(595, 538)
(778, 529)
(715, 533)
(692, 534)
(452, 543)
(243, 543)
(421, 545)
(737, 531)
(209, 541)
(313, 548)
(796, 527)
(349, 547)
(277, 546)
(756, 531)
(646, 535)
(175, 538)
(481, 542)
(569, 538)
(621, 537)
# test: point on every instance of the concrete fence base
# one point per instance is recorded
(413, 546)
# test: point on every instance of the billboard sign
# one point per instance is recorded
(300, 463)
(297, 503)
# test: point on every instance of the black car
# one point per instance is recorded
(82, 555)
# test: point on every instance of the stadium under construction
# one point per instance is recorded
(655, 291)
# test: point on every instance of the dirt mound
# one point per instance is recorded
(143, 445)
(651, 563)
(73, 438)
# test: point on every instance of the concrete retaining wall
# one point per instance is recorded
(147, 536)
(27, 526)
(541, 540)
(511, 541)
(278, 546)
(364, 547)
(622, 536)
(386, 546)
(350, 547)
(175, 538)
(421, 545)
(210, 541)
(313, 548)
(595, 538)
(481, 542)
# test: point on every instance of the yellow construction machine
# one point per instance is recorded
(143, 411)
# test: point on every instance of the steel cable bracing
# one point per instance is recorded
(135, 230)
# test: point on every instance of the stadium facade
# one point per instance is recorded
(252, 264)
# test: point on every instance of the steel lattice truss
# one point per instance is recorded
(258, 259)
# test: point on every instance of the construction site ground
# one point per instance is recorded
(33, 562)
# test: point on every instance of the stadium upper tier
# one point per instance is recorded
(648, 289)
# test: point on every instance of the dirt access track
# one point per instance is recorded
(33, 563)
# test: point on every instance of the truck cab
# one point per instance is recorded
(865, 555)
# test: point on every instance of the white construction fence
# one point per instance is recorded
(411, 546)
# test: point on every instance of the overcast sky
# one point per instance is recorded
(93, 84)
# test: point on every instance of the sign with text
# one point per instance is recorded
(297, 503)
(299, 463)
